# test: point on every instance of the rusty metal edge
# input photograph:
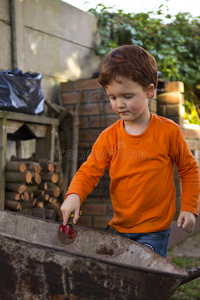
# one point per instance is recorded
(66, 251)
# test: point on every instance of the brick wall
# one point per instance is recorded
(95, 115)
(170, 104)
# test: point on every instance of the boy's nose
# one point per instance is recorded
(120, 103)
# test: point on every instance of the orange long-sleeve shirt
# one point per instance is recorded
(141, 170)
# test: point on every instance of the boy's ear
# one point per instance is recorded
(150, 91)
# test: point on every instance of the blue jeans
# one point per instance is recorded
(157, 241)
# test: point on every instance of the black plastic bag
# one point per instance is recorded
(21, 92)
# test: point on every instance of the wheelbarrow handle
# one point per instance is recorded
(192, 274)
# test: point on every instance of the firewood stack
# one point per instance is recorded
(34, 187)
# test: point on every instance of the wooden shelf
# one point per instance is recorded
(43, 129)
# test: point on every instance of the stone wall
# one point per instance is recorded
(52, 38)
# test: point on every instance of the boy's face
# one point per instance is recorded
(129, 99)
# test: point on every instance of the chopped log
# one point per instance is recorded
(39, 204)
(53, 192)
(55, 207)
(36, 178)
(50, 214)
(26, 211)
(28, 204)
(31, 188)
(33, 166)
(12, 176)
(53, 177)
(39, 212)
(46, 197)
(40, 198)
(12, 195)
(57, 166)
(25, 196)
(16, 187)
(43, 186)
(53, 200)
(34, 201)
(47, 165)
(24, 204)
(13, 205)
(51, 206)
(60, 181)
(39, 193)
(51, 185)
(15, 166)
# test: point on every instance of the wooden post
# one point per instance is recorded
(3, 144)
(75, 138)
(47, 144)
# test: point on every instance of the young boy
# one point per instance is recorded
(140, 150)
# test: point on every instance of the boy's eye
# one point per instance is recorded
(128, 96)
(112, 98)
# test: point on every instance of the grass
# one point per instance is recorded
(190, 290)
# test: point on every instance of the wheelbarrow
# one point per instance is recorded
(98, 265)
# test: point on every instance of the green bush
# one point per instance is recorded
(174, 41)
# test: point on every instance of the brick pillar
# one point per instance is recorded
(170, 103)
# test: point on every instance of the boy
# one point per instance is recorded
(140, 150)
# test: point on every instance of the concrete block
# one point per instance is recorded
(170, 98)
(57, 58)
(60, 19)
(175, 110)
(153, 105)
(5, 50)
(4, 11)
(161, 110)
(174, 86)
(178, 120)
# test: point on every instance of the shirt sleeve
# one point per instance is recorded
(188, 171)
(87, 177)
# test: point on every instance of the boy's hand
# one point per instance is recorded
(71, 204)
(186, 220)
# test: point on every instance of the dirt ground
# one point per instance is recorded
(190, 247)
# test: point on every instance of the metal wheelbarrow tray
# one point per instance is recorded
(97, 265)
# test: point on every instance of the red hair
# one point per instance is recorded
(129, 61)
